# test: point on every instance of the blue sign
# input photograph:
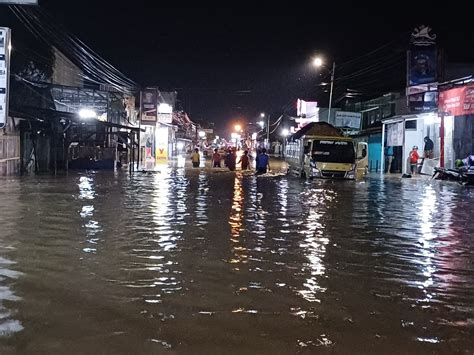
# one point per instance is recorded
(422, 66)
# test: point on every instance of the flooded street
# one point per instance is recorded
(202, 261)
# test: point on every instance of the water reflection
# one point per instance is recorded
(315, 240)
(91, 226)
(204, 261)
(427, 250)
(8, 322)
(11, 218)
(201, 199)
(239, 251)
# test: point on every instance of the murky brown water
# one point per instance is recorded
(190, 261)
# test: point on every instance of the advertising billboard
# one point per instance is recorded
(423, 102)
(307, 109)
(422, 66)
(458, 101)
(4, 73)
(348, 119)
(149, 109)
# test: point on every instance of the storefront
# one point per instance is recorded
(400, 134)
(457, 106)
(157, 145)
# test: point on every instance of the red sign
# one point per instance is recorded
(457, 102)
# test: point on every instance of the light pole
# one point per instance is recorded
(318, 62)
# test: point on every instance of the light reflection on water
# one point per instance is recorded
(91, 226)
(8, 322)
(315, 240)
(239, 251)
(199, 260)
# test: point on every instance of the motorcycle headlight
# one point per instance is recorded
(351, 173)
(316, 172)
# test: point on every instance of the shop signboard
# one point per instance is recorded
(165, 118)
(149, 110)
(4, 73)
(423, 102)
(458, 101)
(348, 119)
(307, 109)
(422, 88)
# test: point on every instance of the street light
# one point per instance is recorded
(238, 128)
(85, 113)
(318, 62)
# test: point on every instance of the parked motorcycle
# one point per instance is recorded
(464, 176)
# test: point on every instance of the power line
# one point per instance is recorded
(41, 25)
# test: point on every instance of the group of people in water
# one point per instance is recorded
(230, 160)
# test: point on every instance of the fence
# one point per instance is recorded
(9, 155)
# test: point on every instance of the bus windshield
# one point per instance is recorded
(333, 151)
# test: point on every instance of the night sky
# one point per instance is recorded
(229, 64)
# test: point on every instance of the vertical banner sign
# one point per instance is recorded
(422, 71)
(161, 136)
(4, 74)
(149, 109)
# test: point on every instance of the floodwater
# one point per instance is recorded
(216, 262)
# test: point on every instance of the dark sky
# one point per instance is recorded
(228, 64)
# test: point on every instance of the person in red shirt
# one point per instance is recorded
(244, 161)
(216, 159)
(414, 159)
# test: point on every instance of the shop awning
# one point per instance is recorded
(44, 114)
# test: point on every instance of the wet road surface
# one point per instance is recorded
(201, 261)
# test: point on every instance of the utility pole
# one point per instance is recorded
(139, 129)
(330, 92)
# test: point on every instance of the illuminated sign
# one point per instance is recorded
(5, 47)
(161, 140)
